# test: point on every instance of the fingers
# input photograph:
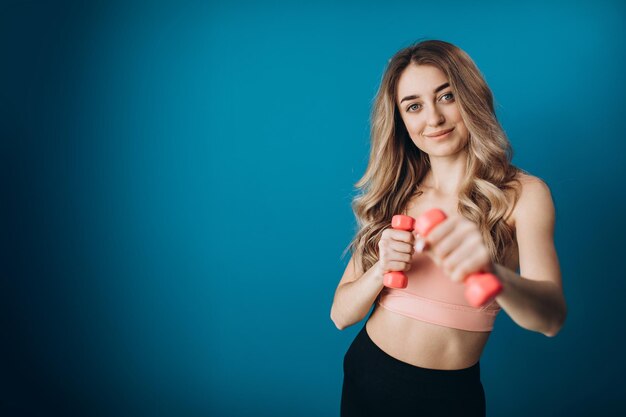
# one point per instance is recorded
(457, 246)
(398, 235)
(443, 229)
(389, 266)
(432, 244)
(401, 247)
(396, 250)
(456, 263)
(397, 241)
(450, 238)
(470, 265)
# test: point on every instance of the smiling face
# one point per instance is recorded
(430, 112)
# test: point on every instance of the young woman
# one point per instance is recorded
(436, 143)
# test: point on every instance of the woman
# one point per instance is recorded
(436, 143)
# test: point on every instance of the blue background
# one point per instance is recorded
(177, 181)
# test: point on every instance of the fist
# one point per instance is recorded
(456, 245)
(395, 250)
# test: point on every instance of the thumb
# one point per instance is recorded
(422, 246)
(420, 243)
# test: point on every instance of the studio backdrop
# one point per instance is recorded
(177, 183)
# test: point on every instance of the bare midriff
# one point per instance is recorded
(424, 344)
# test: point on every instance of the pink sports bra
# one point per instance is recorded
(431, 296)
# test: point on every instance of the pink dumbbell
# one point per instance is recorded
(397, 279)
(480, 287)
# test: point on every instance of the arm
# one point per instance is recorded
(534, 298)
(357, 291)
(355, 294)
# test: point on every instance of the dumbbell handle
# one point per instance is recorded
(397, 279)
(480, 287)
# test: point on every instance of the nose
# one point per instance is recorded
(434, 116)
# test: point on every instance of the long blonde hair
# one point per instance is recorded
(396, 166)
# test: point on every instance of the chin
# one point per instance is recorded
(446, 151)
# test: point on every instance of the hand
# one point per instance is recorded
(457, 246)
(395, 250)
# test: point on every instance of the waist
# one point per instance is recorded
(404, 369)
(463, 317)
(424, 344)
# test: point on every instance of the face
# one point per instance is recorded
(430, 112)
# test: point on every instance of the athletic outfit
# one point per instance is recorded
(377, 384)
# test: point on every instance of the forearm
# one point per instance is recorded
(354, 299)
(534, 305)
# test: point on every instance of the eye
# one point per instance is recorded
(449, 95)
(412, 106)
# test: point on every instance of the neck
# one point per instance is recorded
(446, 173)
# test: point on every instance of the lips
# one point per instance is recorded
(440, 133)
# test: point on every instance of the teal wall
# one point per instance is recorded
(177, 183)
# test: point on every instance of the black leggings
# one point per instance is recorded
(377, 384)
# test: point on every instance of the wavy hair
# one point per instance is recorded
(396, 166)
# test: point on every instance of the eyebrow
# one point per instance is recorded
(438, 89)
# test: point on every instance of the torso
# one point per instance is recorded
(424, 344)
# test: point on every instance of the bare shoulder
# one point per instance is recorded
(532, 186)
(527, 178)
(534, 198)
